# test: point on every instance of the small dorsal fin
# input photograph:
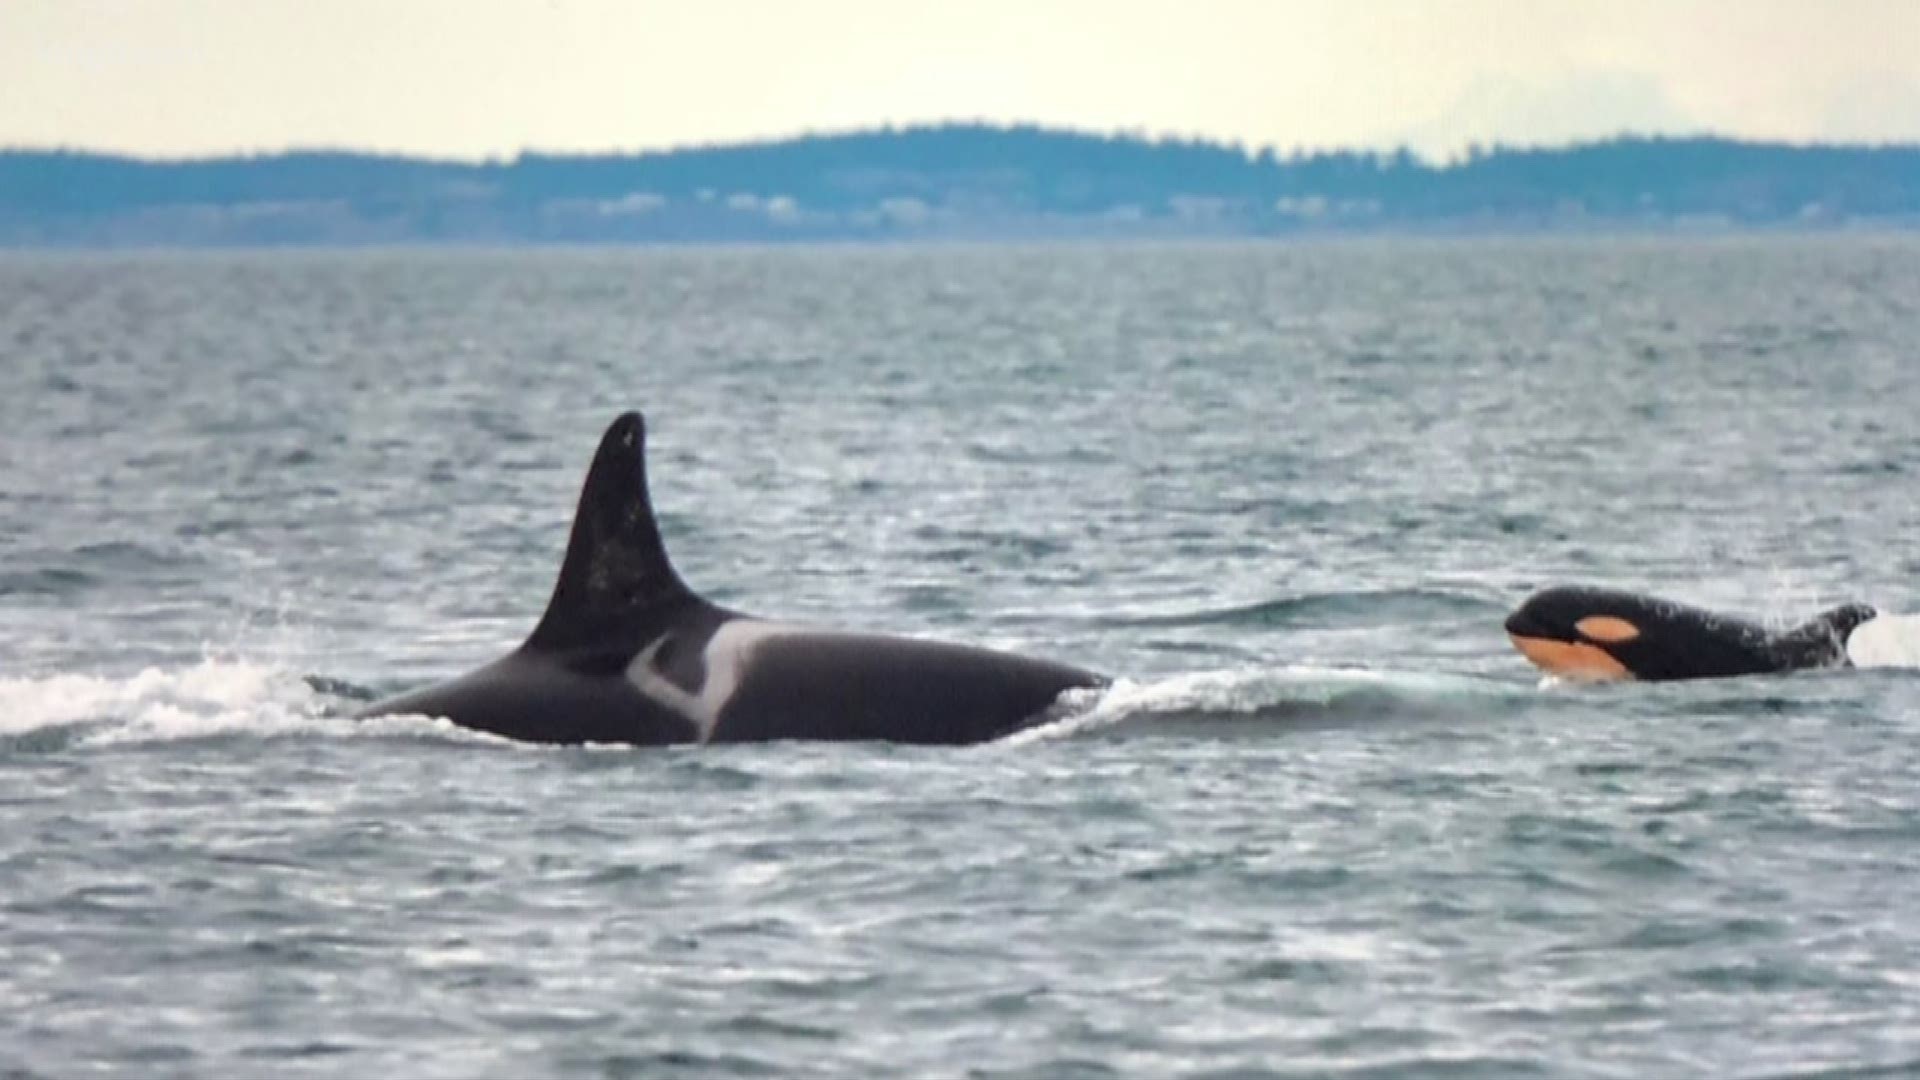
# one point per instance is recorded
(1837, 623)
(1822, 640)
(616, 572)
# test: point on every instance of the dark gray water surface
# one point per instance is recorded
(1328, 823)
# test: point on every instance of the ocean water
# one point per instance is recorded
(1326, 824)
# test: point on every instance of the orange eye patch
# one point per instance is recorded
(1606, 628)
(1570, 660)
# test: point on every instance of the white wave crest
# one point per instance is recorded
(212, 697)
(1888, 641)
(1299, 692)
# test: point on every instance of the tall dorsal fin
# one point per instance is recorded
(616, 572)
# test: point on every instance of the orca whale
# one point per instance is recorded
(627, 653)
(1595, 634)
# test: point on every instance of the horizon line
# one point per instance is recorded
(1138, 135)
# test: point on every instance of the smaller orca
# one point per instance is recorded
(628, 653)
(1601, 634)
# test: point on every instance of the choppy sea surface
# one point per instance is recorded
(1327, 823)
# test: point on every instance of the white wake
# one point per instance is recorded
(202, 700)
(1887, 641)
(1278, 696)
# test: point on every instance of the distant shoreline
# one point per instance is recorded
(949, 184)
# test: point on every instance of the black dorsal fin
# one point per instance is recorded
(616, 572)
(1822, 640)
(1837, 623)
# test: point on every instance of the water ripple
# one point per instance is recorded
(1325, 823)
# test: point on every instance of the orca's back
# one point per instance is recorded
(861, 686)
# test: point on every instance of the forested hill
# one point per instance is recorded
(943, 181)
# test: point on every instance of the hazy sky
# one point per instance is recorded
(480, 77)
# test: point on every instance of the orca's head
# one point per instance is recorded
(1600, 634)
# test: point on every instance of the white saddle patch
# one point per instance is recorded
(724, 659)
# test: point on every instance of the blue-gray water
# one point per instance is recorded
(1328, 824)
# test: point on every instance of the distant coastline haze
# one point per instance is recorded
(947, 182)
(455, 79)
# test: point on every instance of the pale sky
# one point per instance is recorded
(475, 78)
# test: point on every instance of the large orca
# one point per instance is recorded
(1601, 634)
(627, 653)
